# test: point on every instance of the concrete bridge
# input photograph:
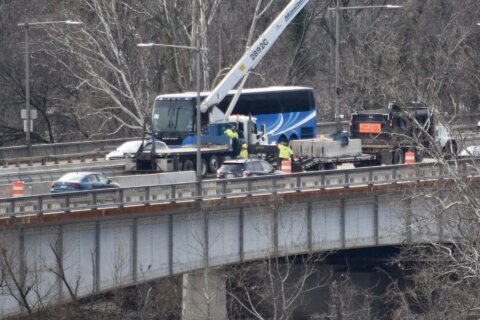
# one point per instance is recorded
(56, 246)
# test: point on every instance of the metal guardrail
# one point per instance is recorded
(49, 173)
(222, 189)
(52, 159)
(45, 150)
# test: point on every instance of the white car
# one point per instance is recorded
(131, 147)
(470, 151)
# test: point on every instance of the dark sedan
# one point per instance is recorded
(245, 168)
(78, 181)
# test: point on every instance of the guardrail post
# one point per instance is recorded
(120, 198)
(40, 206)
(249, 187)
(12, 208)
(67, 202)
(274, 185)
(298, 183)
(322, 181)
(173, 193)
(346, 183)
(370, 178)
(224, 189)
(199, 190)
(394, 175)
(147, 196)
(94, 200)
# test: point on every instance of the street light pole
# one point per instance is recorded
(338, 120)
(28, 113)
(337, 49)
(198, 49)
(27, 93)
(199, 120)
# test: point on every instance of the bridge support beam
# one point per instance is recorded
(204, 295)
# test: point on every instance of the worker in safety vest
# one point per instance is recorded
(232, 133)
(244, 151)
(284, 153)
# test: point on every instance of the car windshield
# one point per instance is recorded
(72, 177)
(130, 146)
(231, 167)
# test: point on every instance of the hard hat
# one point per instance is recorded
(283, 143)
(244, 146)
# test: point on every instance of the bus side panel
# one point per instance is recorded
(299, 124)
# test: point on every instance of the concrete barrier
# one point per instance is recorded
(153, 179)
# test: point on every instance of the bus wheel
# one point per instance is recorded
(188, 165)
(398, 157)
(214, 164)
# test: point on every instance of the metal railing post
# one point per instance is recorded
(173, 193)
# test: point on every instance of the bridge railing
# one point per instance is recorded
(228, 188)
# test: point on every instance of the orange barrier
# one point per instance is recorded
(286, 166)
(18, 188)
(409, 157)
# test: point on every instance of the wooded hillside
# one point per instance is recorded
(92, 81)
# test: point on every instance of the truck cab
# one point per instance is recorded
(397, 129)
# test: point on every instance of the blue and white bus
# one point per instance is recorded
(287, 112)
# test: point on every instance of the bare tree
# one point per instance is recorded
(275, 286)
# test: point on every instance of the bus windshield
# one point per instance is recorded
(173, 116)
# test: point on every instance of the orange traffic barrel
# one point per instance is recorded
(18, 188)
(409, 157)
(286, 166)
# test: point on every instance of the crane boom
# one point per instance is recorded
(254, 54)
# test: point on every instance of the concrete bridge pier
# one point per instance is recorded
(204, 295)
